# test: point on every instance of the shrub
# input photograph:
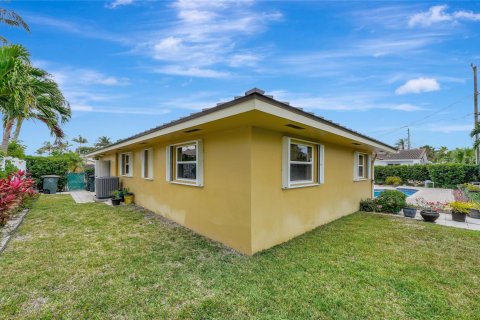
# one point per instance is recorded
(395, 181)
(40, 166)
(444, 175)
(391, 201)
(15, 191)
(368, 205)
(460, 207)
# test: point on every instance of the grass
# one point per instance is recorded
(92, 261)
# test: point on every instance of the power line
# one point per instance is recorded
(417, 122)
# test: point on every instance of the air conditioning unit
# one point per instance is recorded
(104, 186)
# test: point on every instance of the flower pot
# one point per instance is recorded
(458, 216)
(474, 213)
(429, 215)
(128, 198)
(409, 212)
(116, 201)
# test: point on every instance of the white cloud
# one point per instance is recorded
(120, 110)
(205, 36)
(418, 85)
(191, 72)
(353, 102)
(118, 3)
(439, 14)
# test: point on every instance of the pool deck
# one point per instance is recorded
(429, 194)
(434, 195)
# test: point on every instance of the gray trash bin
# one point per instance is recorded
(50, 183)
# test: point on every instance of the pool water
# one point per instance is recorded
(407, 191)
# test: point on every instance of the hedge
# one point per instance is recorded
(444, 175)
(40, 166)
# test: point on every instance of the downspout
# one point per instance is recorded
(372, 181)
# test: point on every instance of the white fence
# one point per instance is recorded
(20, 164)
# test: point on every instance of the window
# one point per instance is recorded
(185, 163)
(302, 163)
(126, 164)
(147, 164)
(362, 166)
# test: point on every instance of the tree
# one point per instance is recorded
(474, 133)
(59, 147)
(430, 152)
(11, 18)
(401, 144)
(81, 141)
(16, 149)
(47, 148)
(103, 142)
(26, 93)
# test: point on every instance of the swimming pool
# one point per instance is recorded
(407, 191)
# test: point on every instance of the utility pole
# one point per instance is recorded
(475, 108)
(408, 138)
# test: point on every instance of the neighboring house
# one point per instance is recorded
(405, 157)
(250, 173)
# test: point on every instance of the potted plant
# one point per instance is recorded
(128, 196)
(430, 211)
(460, 210)
(409, 211)
(116, 198)
(474, 211)
(121, 194)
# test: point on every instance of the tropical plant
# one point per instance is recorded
(11, 18)
(16, 149)
(26, 93)
(80, 140)
(475, 133)
(102, 142)
(401, 144)
(59, 147)
(14, 190)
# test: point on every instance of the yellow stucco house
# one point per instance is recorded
(251, 173)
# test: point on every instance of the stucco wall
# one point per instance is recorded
(221, 209)
(279, 215)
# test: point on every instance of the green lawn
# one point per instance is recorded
(94, 261)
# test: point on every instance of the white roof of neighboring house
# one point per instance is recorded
(408, 154)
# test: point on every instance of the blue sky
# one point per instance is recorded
(126, 66)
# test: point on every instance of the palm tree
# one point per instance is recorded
(474, 134)
(11, 18)
(401, 143)
(81, 141)
(26, 93)
(47, 148)
(103, 142)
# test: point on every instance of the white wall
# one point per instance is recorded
(20, 164)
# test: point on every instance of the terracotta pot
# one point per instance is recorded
(459, 216)
(429, 215)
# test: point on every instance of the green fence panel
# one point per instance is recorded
(76, 181)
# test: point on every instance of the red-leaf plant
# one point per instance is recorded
(13, 191)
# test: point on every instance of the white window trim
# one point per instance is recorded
(130, 157)
(150, 164)
(318, 152)
(198, 182)
(356, 165)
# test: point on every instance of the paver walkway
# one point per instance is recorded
(82, 196)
